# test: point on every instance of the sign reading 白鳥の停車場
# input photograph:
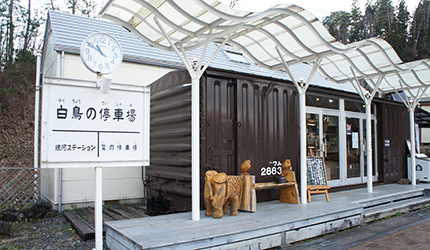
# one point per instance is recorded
(81, 127)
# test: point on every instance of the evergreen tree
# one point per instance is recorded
(384, 15)
(357, 30)
(338, 24)
(419, 32)
(369, 20)
(400, 31)
(397, 38)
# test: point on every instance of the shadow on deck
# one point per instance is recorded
(274, 224)
(82, 219)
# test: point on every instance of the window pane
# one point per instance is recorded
(331, 148)
(312, 134)
(322, 102)
(357, 106)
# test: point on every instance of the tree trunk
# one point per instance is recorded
(27, 30)
(9, 47)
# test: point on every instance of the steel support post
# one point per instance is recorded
(412, 135)
(195, 148)
(303, 169)
(369, 159)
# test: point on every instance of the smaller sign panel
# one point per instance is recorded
(82, 127)
(316, 174)
(355, 139)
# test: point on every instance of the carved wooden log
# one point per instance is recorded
(249, 199)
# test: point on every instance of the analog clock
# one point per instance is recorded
(101, 53)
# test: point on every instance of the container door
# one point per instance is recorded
(267, 131)
(395, 129)
(220, 126)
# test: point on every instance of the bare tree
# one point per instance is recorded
(10, 34)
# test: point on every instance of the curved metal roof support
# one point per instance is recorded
(302, 121)
(411, 105)
(367, 98)
(195, 70)
(369, 158)
(358, 87)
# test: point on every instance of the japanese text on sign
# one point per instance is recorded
(86, 126)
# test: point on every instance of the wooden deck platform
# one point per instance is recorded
(274, 223)
(82, 219)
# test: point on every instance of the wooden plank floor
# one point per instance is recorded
(273, 220)
(82, 219)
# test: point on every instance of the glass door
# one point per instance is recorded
(331, 145)
(322, 139)
(354, 156)
(312, 134)
(356, 149)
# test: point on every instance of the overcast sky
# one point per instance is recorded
(320, 8)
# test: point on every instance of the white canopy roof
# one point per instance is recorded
(283, 32)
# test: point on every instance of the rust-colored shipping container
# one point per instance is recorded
(243, 118)
(240, 119)
(393, 131)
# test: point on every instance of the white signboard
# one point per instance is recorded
(355, 139)
(82, 127)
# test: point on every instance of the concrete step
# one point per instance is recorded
(381, 211)
(390, 198)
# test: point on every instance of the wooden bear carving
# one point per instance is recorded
(222, 190)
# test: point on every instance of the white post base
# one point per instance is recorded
(98, 209)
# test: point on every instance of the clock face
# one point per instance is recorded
(101, 53)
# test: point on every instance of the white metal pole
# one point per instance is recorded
(412, 135)
(369, 145)
(303, 170)
(60, 170)
(98, 209)
(36, 117)
(195, 147)
(36, 112)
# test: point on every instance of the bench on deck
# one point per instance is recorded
(289, 190)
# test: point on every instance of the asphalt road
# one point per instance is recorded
(408, 231)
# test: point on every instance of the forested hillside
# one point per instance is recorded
(21, 33)
(408, 33)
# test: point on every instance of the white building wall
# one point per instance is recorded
(50, 62)
(49, 184)
(49, 177)
(119, 184)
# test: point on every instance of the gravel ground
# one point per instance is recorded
(52, 233)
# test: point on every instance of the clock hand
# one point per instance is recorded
(91, 45)
(100, 50)
(96, 48)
